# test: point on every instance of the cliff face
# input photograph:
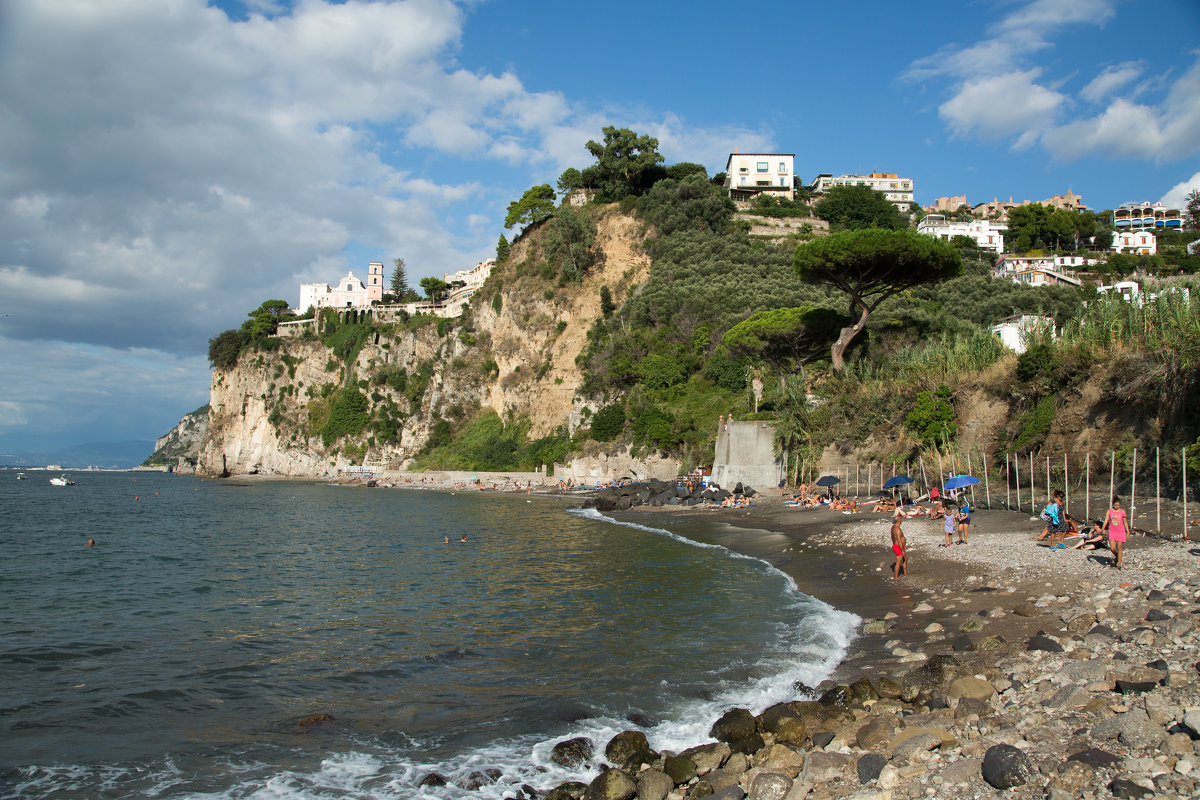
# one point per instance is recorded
(179, 448)
(515, 355)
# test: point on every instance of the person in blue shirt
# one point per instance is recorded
(963, 519)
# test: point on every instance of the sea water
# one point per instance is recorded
(180, 656)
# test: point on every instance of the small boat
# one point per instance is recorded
(62, 480)
(20, 476)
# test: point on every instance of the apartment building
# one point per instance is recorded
(750, 174)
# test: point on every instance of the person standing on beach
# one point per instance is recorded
(945, 510)
(1114, 523)
(963, 519)
(899, 547)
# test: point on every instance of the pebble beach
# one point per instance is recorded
(999, 668)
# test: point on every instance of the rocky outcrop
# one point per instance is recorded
(514, 352)
(179, 448)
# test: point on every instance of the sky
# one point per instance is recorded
(167, 165)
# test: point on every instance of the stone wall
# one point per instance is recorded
(745, 454)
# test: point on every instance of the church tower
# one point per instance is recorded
(374, 281)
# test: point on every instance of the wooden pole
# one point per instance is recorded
(1048, 479)
(1112, 476)
(987, 489)
(1032, 487)
(941, 475)
(1087, 486)
(857, 481)
(1157, 492)
(1017, 467)
(924, 480)
(1132, 489)
(1183, 459)
(1007, 484)
(972, 474)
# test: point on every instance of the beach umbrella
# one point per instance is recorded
(828, 480)
(959, 481)
(898, 480)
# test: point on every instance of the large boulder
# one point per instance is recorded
(681, 769)
(734, 725)
(612, 784)
(572, 753)
(653, 784)
(1004, 767)
(625, 746)
(708, 757)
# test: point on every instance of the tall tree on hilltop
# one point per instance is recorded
(536, 205)
(399, 285)
(626, 163)
(870, 266)
(501, 249)
(1193, 209)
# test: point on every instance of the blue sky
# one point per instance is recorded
(166, 165)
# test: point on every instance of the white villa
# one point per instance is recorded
(751, 174)
(898, 190)
(1041, 270)
(988, 234)
(1147, 216)
(350, 292)
(463, 284)
(1135, 242)
(1131, 292)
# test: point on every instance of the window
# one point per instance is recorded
(783, 168)
(743, 169)
(763, 166)
(742, 180)
(783, 182)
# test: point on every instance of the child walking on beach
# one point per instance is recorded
(1114, 523)
(945, 510)
(899, 547)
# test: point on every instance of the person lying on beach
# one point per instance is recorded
(899, 547)
(1094, 539)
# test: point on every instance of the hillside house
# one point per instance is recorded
(898, 190)
(748, 175)
(1147, 217)
(987, 234)
(1041, 270)
(1142, 243)
(1016, 332)
(349, 292)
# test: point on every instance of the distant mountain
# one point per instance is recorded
(113, 455)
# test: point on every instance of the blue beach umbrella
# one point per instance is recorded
(898, 480)
(960, 481)
(828, 480)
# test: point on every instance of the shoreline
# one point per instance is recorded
(1077, 679)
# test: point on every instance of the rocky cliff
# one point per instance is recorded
(279, 410)
(179, 448)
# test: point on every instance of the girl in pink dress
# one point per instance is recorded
(1114, 523)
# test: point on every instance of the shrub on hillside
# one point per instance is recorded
(608, 422)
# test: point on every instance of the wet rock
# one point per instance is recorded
(707, 757)
(652, 784)
(748, 744)
(837, 696)
(791, 731)
(315, 719)
(963, 644)
(1043, 642)
(1004, 767)
(869, 766)
(720, 779)
(572, 753)
(623, 747)
(877, 731)
(1125, 789)
(480, 778)
(888, 689)
(612, 784)
(734, 725)
(681, 769)
(822, 738)
(432, 779)
(571, 790)
(861, 691)
(770, 786)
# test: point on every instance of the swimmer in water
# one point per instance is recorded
(446, 541)
(464, 538)
(91, 543)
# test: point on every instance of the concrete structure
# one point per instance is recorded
(745, 453)
(947, 205)
(1131, 292)
(1041, 270)
(750, 174)
(463, 284)
(1147, 216)
(898, 190)
(1142, 243)
(1017, 331)
(350, 292)
(1069, 201)
(987, 234)
(998, 209)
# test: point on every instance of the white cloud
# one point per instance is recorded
(1112, 79)
(1177, 196)
(1049, 14)
(1001, 106)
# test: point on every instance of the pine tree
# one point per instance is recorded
(399, 286)
(501, 249)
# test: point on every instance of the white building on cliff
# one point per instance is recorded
(350, 292)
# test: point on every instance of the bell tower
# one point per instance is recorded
(375, 281)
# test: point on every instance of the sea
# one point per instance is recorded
(184, 654)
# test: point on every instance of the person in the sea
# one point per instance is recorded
(446, 540)
(464, 538)
(899, 547)
(1114, 524)
(91, 542)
